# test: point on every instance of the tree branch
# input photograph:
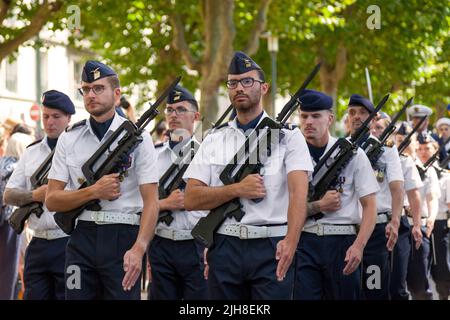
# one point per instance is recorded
(224, 51)
(4, 7)
(179, 42)
(37, 22)
(258, 27)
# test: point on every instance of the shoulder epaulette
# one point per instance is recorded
(33, 143)
(290, 126)
(76, 125)
(158, 145)
(223, 125)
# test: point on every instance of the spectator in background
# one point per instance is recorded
(22, 128)
(129, 109)
(9, 240)
(162, 135)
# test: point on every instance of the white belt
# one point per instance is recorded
(382, 218)
(108, 217)
(423, 221)
(443, 216)
(49, 234)
(243, 231)
(330, 229)
(176, 235)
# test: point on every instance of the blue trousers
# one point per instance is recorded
(9, 259)
(400, 261)
(440, 269)
(94, 260)
(246, 269)
(320, 262)
(376, 254)
(44, 269)
(419, 271)
(177, 270)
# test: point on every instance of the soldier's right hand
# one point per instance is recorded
(108, 187)
(252, 187)
(330, 202)
(175, 201)
(38, 194)
(417, 235)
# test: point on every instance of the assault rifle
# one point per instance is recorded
(405, 143)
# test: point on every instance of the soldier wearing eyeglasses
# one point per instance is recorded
(104, 253)
(251, 258)
(176, 258)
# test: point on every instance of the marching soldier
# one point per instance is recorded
(251, 259)
(409, 232)
(419, 262)
(388, 172)
(440, 268)
(416, 112)
(45, 255)
(104, 253)
(330, 248)
(443, 129)
(176, 259)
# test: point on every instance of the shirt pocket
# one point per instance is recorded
(74, 165)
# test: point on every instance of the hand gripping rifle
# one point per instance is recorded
(39, 178)
(129, 136)
(374, 147)
(172, 179)
(261, 141)
(330, 166)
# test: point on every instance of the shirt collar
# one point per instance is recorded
(233, 124)
(117, 121)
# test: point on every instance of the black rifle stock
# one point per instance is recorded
(330, 166)
(129, 136)
(39, 178)
(374, 147)
(251, 162)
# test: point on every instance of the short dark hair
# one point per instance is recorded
(261, 75)
(194, 104)
(114, 81)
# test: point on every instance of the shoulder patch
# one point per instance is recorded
(76, 125)
(33, 143)
(158, 145)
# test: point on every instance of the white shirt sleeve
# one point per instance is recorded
(146, 164)
(364, 179)
(394, 167)
(18, 178)
(297, 153)
(411, 175)
(200, 167)
(59, 170)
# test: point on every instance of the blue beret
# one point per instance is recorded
(57, 100)
(312, 100)
(359, 100)
(404, 129)
(424, 138)
(241, 63)
(94, 70)
(179, 94)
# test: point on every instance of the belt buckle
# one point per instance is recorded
(98, 217)
(174, 235)
(243, 232)
(320, 229)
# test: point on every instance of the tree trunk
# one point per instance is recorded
(209, 103)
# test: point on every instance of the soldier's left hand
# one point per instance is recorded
(352, 259)
(391, 234)
(430, 227)
(132, 265)
(285, 253)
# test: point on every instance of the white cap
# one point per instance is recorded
(419, 110)
(442, 121)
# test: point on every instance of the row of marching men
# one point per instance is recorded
(275, 241)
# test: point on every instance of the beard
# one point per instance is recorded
(252, 101)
